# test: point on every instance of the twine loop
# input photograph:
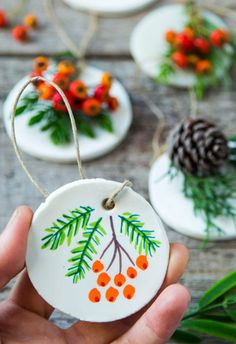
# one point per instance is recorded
(109, 203)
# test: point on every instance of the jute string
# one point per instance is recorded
(109, 202)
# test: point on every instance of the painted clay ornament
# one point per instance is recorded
(100, 104)
(94, 244)
(109, 8)
(196, 182)
(184, 47)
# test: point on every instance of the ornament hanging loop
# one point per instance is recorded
(43, 191)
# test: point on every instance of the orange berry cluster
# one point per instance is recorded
(20, 32)
(191, 50)
(80, 96)
(119, 280)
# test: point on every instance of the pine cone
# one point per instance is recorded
(198, 147)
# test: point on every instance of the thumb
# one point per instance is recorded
(13, 243)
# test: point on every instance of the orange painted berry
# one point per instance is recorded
(97, 266)
(131, 272)
(31, 20)
(188, 32)
(91, 107)
(112, 294)
(219, 37)
(106, 79)
(142, 262)
(170, 36)
(113, 103)
(19, 33)
(103, 279)
(78, 89)
(129, 291)
(40, 64)
(184, 42)
(180, 59)
(101, 93)
(45, 91)
(61, 80)
(119, 280)
(192, 60)
(66, 67)
(94, 295)
(202, 45)
(3, 19)
(203, 67)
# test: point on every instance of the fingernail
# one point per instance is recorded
(14, 216)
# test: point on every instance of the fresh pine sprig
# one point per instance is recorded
(142, 239)
(66, 228)
(214, 314)
(211, 196)
(82, 255)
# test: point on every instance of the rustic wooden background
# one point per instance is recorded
(109, 50)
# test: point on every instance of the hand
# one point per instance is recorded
(24, 315)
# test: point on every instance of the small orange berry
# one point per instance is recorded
(66, 67)
(103, 279)
(94, 295)
(20, 33)
(106, 79)
(97, 266)
(91, 107)
(170, 36)
(131, 272)
(192, 60)
(180, 59)
(78, 89)
(38, 82)
(30, 20)
(40, 64)
(61, 80)
(45, 91)
(142, 262)
(119, 280)
(112, 294)
(203, 67)
(129, 291)
(113, 103)
(219, 37)
(101, 93)
(189, 32)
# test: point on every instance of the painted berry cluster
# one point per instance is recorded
(84, 257)
(200, 47)
(91, 104)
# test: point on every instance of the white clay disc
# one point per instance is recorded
(148, 43)
(176, 210)
(37, 143)
(90, 235)
(109, 7)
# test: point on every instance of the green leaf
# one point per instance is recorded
(104, 121)
(84, 126)
(218, 289)
(212, 328)
(181, 336)
(37, 118)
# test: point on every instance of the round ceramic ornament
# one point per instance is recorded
(32, 140)
(109, 8)
(176, 210)
(148, 45)
(93, 245)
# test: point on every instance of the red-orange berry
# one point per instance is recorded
(119, 280)
(31, 21)
(66, 67)
(97, 266)
(101, 93)
(106, 79)
(91, 107)
(38, 82)
(192, 60)
(188, 32)
(40, 64)
(129, 291)
(219, 37)
(58, 103)
(131, 272)
(112, 294)
(78, 89)
(202, 45)
(103, 279)
(180, 59)
(203, 67)
(20, 33)
(3, 19)
(113, 103)
(170, 36)
(45, 91)
(94, 295)
(184, 42)
(142, 262)
(61, 80)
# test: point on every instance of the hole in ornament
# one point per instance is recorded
(108, 206)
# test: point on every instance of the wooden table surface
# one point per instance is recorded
(109, 50)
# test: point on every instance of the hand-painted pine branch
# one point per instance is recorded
(82, 254)
(118, 249)
(143, 239)
(66, 228)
